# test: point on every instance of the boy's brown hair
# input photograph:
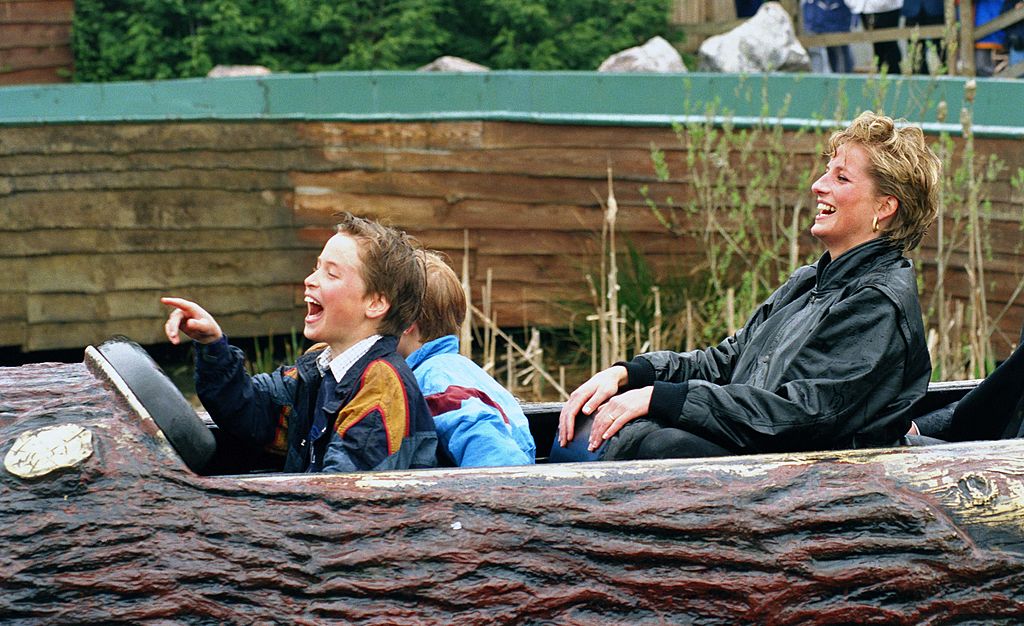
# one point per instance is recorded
(444, 303)
(392, 267)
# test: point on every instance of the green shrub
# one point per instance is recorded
(155, 39)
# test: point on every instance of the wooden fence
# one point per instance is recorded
(98, 221)
(35, 41)
(223, 190)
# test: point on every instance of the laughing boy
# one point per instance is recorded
(353, 406)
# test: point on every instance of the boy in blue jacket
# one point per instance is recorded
(478, 422)
(352, 406)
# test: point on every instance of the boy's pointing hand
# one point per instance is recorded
(191, 319)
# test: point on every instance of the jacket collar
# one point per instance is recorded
(854, 262)
(449, 344)
(308, 370)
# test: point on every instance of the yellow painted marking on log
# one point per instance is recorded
(39, 452)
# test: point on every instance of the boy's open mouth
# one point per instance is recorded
(313, 309)
(824, 209)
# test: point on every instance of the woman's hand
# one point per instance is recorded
(191, 319)
(588, 397)
(618, 412)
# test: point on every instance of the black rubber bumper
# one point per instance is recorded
(186, 432)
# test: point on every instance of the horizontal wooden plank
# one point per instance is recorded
(180, 207)
(14, 275)
(145, 304)
(31, 35)
(582, 163)
(538, 242)
(238, 180)
(395, 135)
(174, 239)
(36, 11)
(455, 186)
(47, 336)
(272, 161)
(33, 76)
(13, 307)
(26, 57)
(52, 139)
(91, 273)
(421, 213)
(12, 333)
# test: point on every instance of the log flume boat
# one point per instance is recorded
(119, 504)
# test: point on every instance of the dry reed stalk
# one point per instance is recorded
(512, 347)
(611, 215)
(689, 326)
(489, 340)
(466, 335)
(730, 310)
(656, 329)
(537, 362)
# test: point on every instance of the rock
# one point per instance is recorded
(228, 71)
(452, 64)
(657, 55)
(765, 43)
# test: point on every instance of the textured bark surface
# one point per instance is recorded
(933, 535)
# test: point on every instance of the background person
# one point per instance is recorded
(829, 16)
(877, 14)
(352, 406)
(835, 358)
(479, 423)
(924, 13)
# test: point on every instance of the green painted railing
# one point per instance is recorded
(794, 100)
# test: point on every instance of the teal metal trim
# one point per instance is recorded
(587, 98)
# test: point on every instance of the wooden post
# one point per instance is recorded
(953, 45)
(967, 37)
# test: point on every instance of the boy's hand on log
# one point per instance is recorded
(618, 412)
(191, 319)
(588, 397)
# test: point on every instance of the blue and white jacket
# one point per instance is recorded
(478, 422)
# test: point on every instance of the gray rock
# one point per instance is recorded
(227, 71)
(657, 55)
(765, 43)
(452, 64)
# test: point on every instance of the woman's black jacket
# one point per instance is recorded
(835, 358)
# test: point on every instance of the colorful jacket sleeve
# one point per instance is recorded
(474, 429)
(251, 408)
(373, 430)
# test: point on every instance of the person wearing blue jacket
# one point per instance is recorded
(478, 422)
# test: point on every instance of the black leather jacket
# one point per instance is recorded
(835, 358)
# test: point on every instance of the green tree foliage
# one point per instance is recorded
(154, 39)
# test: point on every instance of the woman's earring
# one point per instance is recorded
(874, 224)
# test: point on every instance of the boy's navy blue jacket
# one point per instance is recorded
(375, 418)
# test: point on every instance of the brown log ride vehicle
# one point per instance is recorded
(119, 504)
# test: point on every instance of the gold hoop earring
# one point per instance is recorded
(874, 224)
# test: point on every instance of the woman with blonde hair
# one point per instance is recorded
(835, 358)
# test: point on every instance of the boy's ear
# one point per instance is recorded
(377, 306)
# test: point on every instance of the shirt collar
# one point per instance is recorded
(342, 363)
